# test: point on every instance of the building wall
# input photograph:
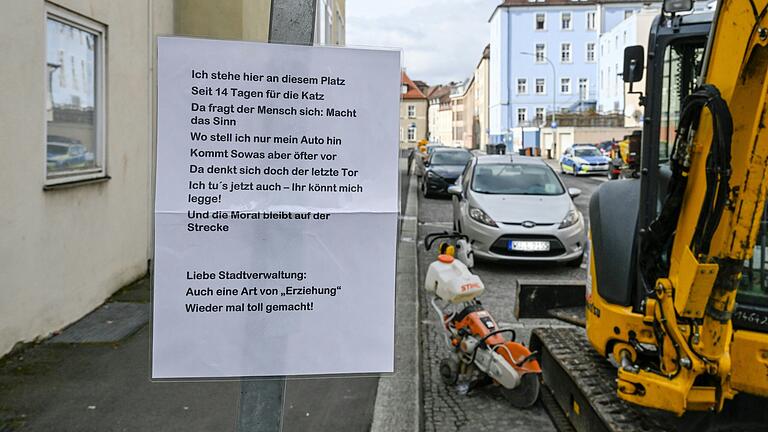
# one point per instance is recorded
(469, 116)
(482, 102)
(513, 32)
(330, 22)
(223, 19)
(65, 250)
(433, 114)
(613, 92)
(420, 120)
(568, 136)
(445, 125)
(457, 120)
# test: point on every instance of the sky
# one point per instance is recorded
(442, 40)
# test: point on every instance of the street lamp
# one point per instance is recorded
(554, 98)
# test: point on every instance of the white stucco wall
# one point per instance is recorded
(64, 251)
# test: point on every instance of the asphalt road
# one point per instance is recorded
(445, 408)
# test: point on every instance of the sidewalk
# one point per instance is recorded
(94, 376)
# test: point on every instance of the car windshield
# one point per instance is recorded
(512, 179)
(57, 150)
(586, 152)
(451, 158)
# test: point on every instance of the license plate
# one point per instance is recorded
(528, 246)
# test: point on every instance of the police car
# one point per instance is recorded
(584, 159)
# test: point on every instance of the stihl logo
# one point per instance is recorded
(469, 286)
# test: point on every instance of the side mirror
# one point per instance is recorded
(634, 63)
(573, 192)
(455, 189)
(426, 162)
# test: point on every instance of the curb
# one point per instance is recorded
(398, 397)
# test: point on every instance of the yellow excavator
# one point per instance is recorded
(676, 320)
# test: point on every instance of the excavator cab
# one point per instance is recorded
(630, 318)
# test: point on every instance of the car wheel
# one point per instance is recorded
(576, 262)
(562, 168)
(424, 190)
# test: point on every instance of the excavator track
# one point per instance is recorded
(580, 388)
(583, 385)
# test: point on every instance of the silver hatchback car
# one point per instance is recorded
(516, 208)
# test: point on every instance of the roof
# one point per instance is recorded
(413, 91)
(439, 91)
(509, 158)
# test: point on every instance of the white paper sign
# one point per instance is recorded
(276, 209)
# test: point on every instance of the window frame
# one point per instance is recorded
(99, 30)
(411, 111)
(570, 85)
(591, 26)
(524, 112)
(524, 82)
(536, 21)
(584, 81)
(543, 86)
(543, 54)
(593, 51)
(411, 128)
(570, 21)
(570, 52)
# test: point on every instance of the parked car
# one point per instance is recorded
(61, 156)
(429, 149)
(584, 159)
(517, 208)
(442, 169)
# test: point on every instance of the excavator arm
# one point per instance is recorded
(692, 255)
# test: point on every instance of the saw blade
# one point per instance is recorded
(525, 394)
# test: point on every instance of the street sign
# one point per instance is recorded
(269, 186)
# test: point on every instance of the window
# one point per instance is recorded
(540, 49)
(539, 115)
(583, 88)
(565, 85)
(565, 21)
(412, 132)
(522, 86)
(590, 52)
(411, 111)
(522, 115)
(404, 89)
(682, 64)
(590, 20)
(565, 52)
(540, 86)
(74, 98)
(541, 21)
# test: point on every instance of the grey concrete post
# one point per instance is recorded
(261, 401)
